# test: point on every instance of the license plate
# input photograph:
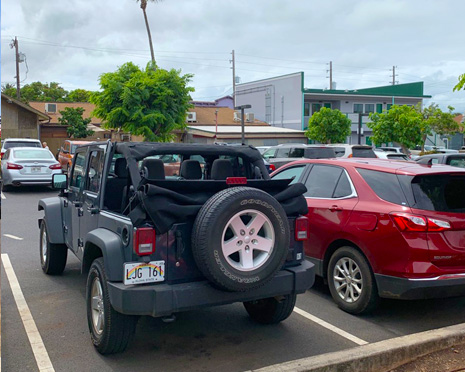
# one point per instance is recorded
(142, 272)
(36, 169)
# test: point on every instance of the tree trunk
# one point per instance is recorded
(150, 36)
(423, 140)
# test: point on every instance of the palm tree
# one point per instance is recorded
(143, 6)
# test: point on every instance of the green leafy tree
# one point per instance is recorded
(461, 84)
(143, 6)
(77, 125)
(9, 90)
(78, 95)
(437, 121)
(147, 102)
(328, 126)
(401, 124)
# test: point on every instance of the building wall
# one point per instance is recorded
(18, 122)
(225, 102)
(276, 101)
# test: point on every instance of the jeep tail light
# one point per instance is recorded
(55, 166)
(13, 166)
(410, 222)
(144, 241)
(236, 181)
(301, 228)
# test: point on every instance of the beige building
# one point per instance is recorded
(20, 120)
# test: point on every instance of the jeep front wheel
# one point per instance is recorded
(110, 331)
(240, 238)
(52, 256)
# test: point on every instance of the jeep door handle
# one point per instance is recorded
(335, 208)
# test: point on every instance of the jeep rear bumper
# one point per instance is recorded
(165, 299)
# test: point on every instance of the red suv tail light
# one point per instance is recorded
(413, 223)
(301, 228)
(13, 166)
(144, 241)
(55, 166)
(1, 157)
(272, 167)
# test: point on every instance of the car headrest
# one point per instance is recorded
(191, 170)
(153, 169)
(121, 169)
(222, 169)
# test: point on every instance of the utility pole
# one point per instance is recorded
(242, 108)
(15, 45)
(330, 75)
(394, 75)
(233, 61)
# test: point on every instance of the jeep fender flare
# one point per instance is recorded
(53, 217)
(111, 248)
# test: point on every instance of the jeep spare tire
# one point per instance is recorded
(240, 238)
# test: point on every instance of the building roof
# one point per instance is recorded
(206, 116)
(414, 90)
(88, 108)
(42, 116)
(250, 132)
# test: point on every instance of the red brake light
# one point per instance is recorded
(437, 225)
(144, 241)
(236, 180)
(272, 167)
(55, 166)
(2, 155)
(301, 228)
(409, 222)
(13, 166)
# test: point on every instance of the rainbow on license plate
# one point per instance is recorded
(144, 272)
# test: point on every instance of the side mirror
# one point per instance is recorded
(59, 181)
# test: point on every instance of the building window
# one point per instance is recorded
(369, 107)
(388, 106)
(316, 107)
(327, 105)
(358, 108)
(307, 109)
(379, 108)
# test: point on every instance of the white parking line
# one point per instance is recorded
(332, 328)
(13, 237)
(38, 347)
(3, 196)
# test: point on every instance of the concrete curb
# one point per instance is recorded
(377, 357)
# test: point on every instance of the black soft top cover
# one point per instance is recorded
(166, 202)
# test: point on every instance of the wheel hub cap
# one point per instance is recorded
(248, 240)
(347, 279)
(98, 313)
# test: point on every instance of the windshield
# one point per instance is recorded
(32, 154)
(11, 144)
(363, 152)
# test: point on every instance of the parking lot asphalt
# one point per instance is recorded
(213, 339)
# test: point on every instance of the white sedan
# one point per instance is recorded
(28, 166)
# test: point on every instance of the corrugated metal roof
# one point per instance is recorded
(248, 129)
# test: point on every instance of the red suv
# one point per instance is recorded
(381, 228)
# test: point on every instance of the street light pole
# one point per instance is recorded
(242, 108)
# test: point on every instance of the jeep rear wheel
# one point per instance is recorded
(110, 331)
(52, 256)
(240, 238)
(271, 310)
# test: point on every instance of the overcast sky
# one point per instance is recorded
(74, 41)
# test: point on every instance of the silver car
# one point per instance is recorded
(28, 166)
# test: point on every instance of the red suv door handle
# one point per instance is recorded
(335, 208)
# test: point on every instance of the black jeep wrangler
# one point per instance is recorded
(207, 228)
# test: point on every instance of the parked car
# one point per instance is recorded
(391, 155)
(343, 150)
(262, 149)
(157, 245)
(286, 153)
(19, 142)
(28, 166)
(66, 153)
(389, 149)
(455, 160)
(383, 228)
